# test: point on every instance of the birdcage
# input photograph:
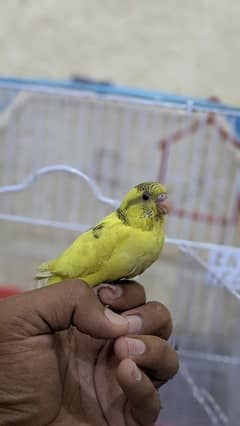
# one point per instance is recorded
(69, 152)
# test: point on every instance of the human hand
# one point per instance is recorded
(59, 364)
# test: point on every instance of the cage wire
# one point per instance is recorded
(223, 267)
(68, 154)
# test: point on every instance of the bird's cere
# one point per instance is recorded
(163, 204)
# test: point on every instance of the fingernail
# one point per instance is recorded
(136, 373)
(115, 318)
(135, 323)
(111, 292)
(135, 347)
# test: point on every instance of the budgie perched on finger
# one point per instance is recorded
(122, 245)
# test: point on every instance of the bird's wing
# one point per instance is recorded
(91, 250)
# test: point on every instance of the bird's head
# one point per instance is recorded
(144, 205)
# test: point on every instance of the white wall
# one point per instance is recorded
(186, 47)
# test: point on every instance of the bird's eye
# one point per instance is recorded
(145, 197)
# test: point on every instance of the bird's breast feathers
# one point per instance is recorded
(138, 251)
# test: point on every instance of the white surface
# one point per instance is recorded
(185, 47)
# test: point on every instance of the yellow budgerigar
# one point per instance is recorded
(122, 245)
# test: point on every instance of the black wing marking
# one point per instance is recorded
(97, 230)
(122, 216)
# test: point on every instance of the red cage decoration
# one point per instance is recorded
(165, 145)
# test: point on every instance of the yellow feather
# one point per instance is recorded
(122, 245)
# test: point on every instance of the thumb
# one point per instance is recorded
(55, 308)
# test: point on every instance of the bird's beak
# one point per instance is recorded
(163, 205)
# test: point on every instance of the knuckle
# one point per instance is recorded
(164, 317)
(137, 287)
(141, 288)
(171, 358)
(167, 365)
(163, 349)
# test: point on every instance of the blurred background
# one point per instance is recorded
(116, 94)
(189, 50)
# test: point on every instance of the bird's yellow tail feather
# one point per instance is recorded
(44, 271)
(54, 280)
